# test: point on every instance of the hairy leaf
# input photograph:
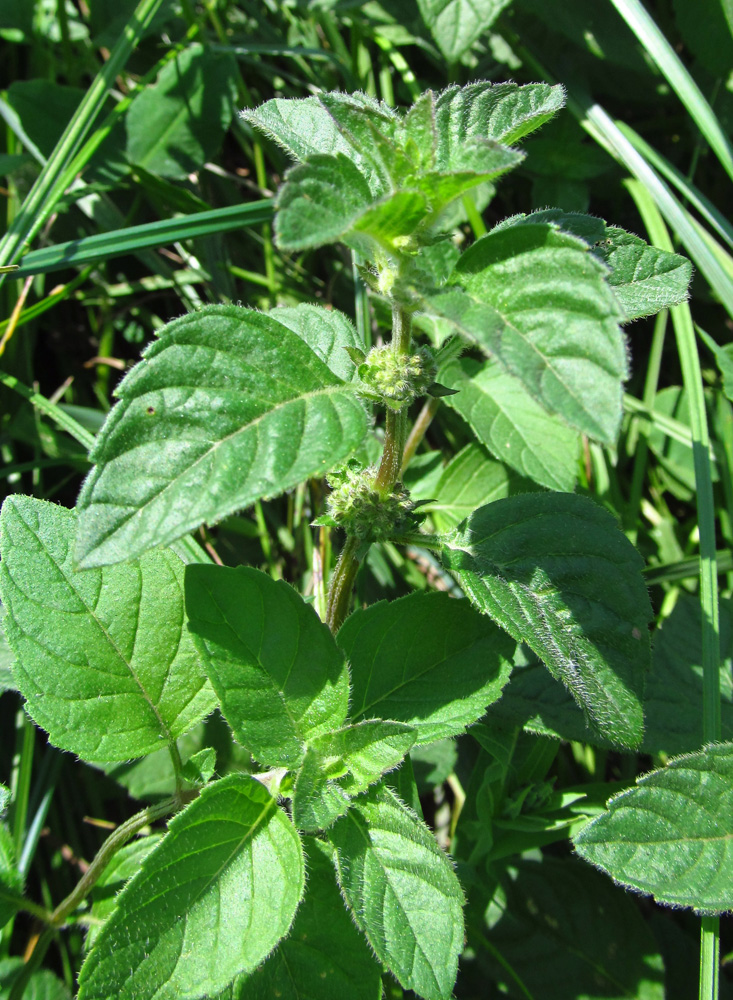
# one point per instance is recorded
(125, 863)
(457, 24)
(402, 890)
(515, 428)
(671, 835)
(103, 656)
(427, 660)
(324, 957)
(327, 332)
(228, 406)
(644, 279)
(556, 573)
(303, 127)
(209, 902)
(537, 300)
(279, 675)
(341, 764)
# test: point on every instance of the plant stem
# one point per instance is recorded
(395, 432)
(419, 429)
(342, 582)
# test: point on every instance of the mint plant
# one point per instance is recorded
(125, 638)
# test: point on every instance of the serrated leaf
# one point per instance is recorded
(588, 939)
(324, 957)
(402, 890)
(426, 660)
(328, 333)
(537, 300)
(671, 835)
(470, 480)
(303, 127)
(279, 675)
(457, 24)
(341, 764)
(556, 573)
(644, 278)
(512, 425)
(209, 902)
(586, 227)
(7, 683)
(228, 406)
(4, 798)
(104, 659)
(504, 112)
(178, 123)
(328, 199)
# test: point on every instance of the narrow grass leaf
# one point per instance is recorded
(228, 406)
(402, 891)
(211, 901)
(11, 880)
(426, 660)
(279, 675)
(341, 764)
(511, 424)
(556, 573)
(671, 835)
(537, 300)
(324, 957)
(103, 657)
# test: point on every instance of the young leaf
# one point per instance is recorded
(303, 127)
(402, 890)
(211, 901)
(556, 573)
(457, 24)
(328, 333)
(104, 659)
(228, 406)
(537, 300)
(515, 428)
(279, 675)
(644, 279)
(340, 765)
(671, 835)
(324, 957)
(426, 660)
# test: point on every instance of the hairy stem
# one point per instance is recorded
(395, 432)
(342, 583)
(419, 429)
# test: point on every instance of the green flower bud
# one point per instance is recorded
(362, 511)
(396, 379)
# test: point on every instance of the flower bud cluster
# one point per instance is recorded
(396, 379)
(363, 511)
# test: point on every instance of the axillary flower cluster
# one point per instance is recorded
(362, 510)
(395, 380)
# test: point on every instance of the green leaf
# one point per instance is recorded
(586, 937)
(324, 957)
(515, 428)
(178, 123)
(537, 300)
(43, 985)
(104, 896)
(724, 358)
(556, 573)
(671, 835)
(457, 24)
(340, 765)
(104, 659)
(504, 112)
(328, 199)
(470, 480)
(328, 333)
(402, 890)
(209, 902)
(426, 660)
(644, 279)
(228, 406)
(7, 682)
(279, 675)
